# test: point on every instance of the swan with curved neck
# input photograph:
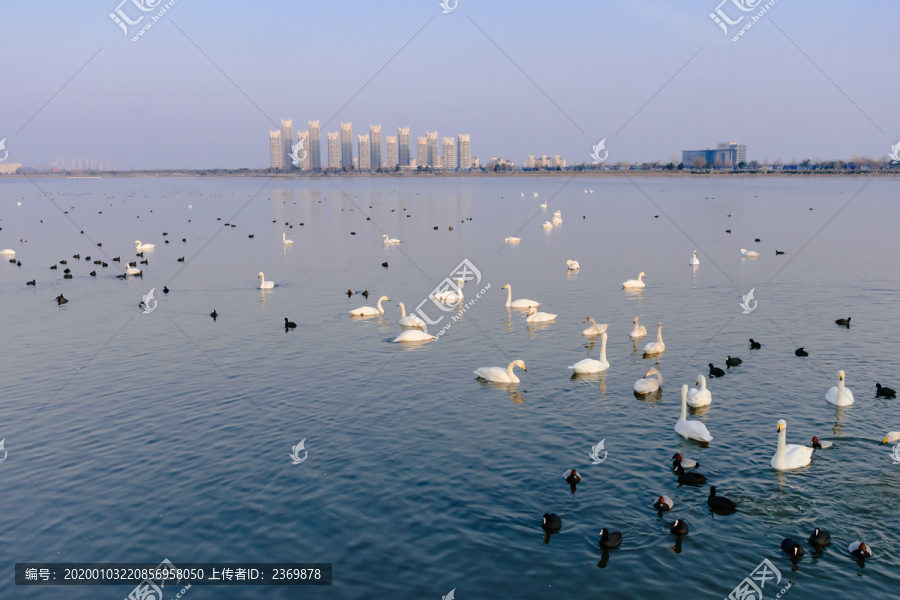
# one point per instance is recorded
(450, 296)
(368, 311)
(699, 397)
(520, 303)
(589, 365)
(141, 247)
(694, 430)
(411, 321)
(635, 283)
(286, 241)
(539, 317)
(639, 330)
(658, 346)
(499, 374)
(789, 456)
(594, 329)
(650, 383)
(263, 284)
(839, 395)
(389, 240)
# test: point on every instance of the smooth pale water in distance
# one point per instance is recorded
(137, 437)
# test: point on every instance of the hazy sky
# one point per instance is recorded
(538, 77)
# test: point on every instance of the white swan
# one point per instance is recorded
(547, 225)
(789, 456)
(658, 346)
(285, 241)
(558, 213)
(749, 253)
(512, 240)
(544, 205)
(694, 430)
(594, 329)
(520, 303)
(639, 330)
(699, 397)
(411, 321)
(891, 437)
(266, 285)
(388, 240)
(499, 374)
(129, 270)
(694, 260)
(635, 283)
(141, 247)
(556, 220)
(367, 311)
(589, 365)
(539, 317)
(414, 335)
(649, 383)
(573, 265)
(839, 395)
(8, 252)
(450, 296)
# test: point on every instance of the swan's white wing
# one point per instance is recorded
(796, 456)
(493, 374)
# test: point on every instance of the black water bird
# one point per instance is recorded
(32, 282)
(165, 290)
(692, 478)
(61, 299)
(551, 523)
(884, 392)
(820, 537)
(720, 503)
(732, 362)
(715, 371)
(843, 322)
(93, 273)
(214, 314)
(53, 267)
(289, 324)
(610, 539)
(801, 352)
(777, 252)
(754, 345)
(791, 547)
(679, 527)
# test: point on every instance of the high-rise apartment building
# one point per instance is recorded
(334, 150)
(302, 151)
(448, 159)
(375, 146)
(464, 151)
(315, 146)
(276, 150)
(403, 150)
(365, 153)
(287, 138)
(434, 159)
(421, 152)
(392, 159)
(347, 146)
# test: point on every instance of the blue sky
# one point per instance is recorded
(576, 72)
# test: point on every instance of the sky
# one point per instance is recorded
(204, 85)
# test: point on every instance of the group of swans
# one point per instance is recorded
(414, 327)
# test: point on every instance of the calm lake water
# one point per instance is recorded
(136, 437)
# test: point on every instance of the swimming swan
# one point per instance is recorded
(411, 321)
(368, 311)
(573, 265)
(285, 241)
(388, 240)
(839, 395)
(694, 430)
(658, 346)
(635, 283)
(512, 240)
(414, 335)
(539, 317)
(699, 397)
(649, 384)
(520, 303)
(639, 330)
(263, 284)
(499, 374)
(141, 247)
(789, 456)
(594, 329)
(589, 365)
(694, 260)
(749, 253)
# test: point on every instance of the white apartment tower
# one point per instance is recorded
(375, 146)
(464, 151)
(449, 153)
(365, 153)
(434, 159)
(287, 138)
(392, 156)
(403, 150)
(315, 146)
(276, 150)
(421, 152)
(303, 150)
(347, 146)
(334, 150)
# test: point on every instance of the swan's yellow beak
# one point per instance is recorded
(780, 427)
(524, 369)
(697, 383)
(885, 440)
(841, 377)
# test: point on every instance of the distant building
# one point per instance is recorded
(464, 151)
(315, 146)
(726, 155)
(347, 145)
(403, 150)
(544, 162)
(334, 150)
(365, 153)
(392, 156)
(448, 159)
(287, 138)
(434, 159)
(276, 150)
(10, 168)
(421, 152)
(375, 146)
(303, 140)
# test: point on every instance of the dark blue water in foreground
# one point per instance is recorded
(137, 437)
